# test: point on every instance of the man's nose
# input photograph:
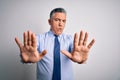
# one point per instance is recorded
(60, 23)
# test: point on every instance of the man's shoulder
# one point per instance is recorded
(67, 36)
(42, 35)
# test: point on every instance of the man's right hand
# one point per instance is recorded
(28, 51)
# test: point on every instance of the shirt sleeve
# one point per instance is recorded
(38, 42)
(71, 44)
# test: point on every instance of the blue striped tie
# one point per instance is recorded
(57, 65)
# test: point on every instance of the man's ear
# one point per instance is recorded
(49, 21)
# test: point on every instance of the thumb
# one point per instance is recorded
(42, 54)
(66, 53)
(18, 42)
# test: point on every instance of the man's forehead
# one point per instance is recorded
(59, 15)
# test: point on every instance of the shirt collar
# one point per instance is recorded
(52, 34)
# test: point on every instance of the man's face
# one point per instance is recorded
(57, 22)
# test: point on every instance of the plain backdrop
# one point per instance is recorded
(100, 18)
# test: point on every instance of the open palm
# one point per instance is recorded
(80, 50)
(28, 51)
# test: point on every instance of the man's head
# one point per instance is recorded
(57, 20)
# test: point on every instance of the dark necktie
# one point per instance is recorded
(57, 65)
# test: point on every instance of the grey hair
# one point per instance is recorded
(57, 10)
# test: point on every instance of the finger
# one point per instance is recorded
(34, 42)
(91, 43)
(66, 53)
(85, 39)
(75, 40)
(18, 42)
(29, 38)
(80, 38)
(42, 54)
(25, 38)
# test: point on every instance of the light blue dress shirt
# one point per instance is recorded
(45, 41)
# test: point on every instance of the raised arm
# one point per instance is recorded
(28, 50)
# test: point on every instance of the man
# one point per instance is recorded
(53, 51)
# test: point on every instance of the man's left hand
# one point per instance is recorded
(80, 49)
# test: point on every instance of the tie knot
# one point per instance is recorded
(56, 35)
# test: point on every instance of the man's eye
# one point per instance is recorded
(56, 19)
(64, 21)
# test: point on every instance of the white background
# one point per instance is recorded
(101, 18)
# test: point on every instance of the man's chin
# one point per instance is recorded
(58, 33)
